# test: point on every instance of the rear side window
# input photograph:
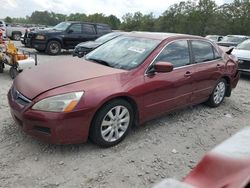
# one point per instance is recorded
(103, 29)
(88, 29)
(176, 53)
(76, 28)
(204, 51)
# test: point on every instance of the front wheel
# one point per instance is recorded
(53, 48)
(112, 123)
(218, 94)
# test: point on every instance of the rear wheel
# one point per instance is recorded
(16, 36)
(53, 48)
(218, 94)
(112, 123)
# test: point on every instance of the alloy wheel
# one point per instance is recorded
(219, 92)
(115, 123)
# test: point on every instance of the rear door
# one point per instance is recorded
(89, 32)
(168, 91)
(208, 66)
(102, 30)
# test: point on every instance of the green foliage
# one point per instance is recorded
(8, 19)
(199, 17)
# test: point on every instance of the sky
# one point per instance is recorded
(21, 8)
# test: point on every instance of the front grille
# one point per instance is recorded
(45, 130)
(19, 98)
(31, 35)
(244, 64)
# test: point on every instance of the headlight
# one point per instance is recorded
(40, 37)
(59, 103)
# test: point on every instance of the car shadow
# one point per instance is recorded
(245, 77)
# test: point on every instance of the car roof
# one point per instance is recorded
(241, 36)
(103, 24)
(159, 35)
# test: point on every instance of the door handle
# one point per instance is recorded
(188, 74)
(218, 65)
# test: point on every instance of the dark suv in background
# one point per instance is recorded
(65, 35)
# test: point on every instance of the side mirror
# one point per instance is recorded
(70, 31)
(162, 67)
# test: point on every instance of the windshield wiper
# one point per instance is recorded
(100, 61)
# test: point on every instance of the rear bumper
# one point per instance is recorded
(54, 128)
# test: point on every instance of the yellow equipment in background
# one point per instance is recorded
(18, 61)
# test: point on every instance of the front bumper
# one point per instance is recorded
(38, 44)
(54, 128)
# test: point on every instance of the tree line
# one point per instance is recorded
(200, 17)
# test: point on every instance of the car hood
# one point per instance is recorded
(47, 31)
(89, 44)
(242, 54)
(42, 78)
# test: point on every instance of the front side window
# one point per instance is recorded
(203, 51)
(76, 28)
(176, 53)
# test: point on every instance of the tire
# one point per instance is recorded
(53, 48)
(115, 128)
(13, 72)
(218, 94)
(16, 36)
(1, 66)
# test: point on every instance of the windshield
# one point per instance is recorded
(233, 39)
(62, 26)
(123, 52)
(107, 37)
(244, 45)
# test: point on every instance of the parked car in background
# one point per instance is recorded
(15, 31)
(232, 40)
(242, 52)
(124, 82)
(65, 35)
(3, 29)
(86, 47)
(215, 38)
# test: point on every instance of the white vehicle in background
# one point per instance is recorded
(3, 29)
(15, 31)
(215, 38)
(242, 52)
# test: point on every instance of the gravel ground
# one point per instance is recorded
(166, 147)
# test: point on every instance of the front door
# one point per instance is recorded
(168, 91)
(73, 35)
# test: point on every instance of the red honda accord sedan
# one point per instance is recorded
(125, 82)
